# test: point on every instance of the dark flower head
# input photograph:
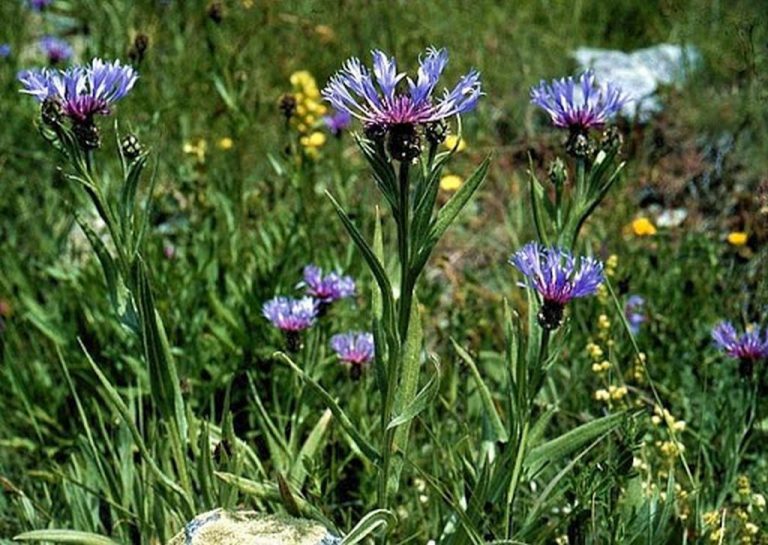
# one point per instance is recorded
(751, 345)
(328, 288)
(354, 347)
(82, 91)
(39, 5)
(55, 49)
(553, 272)
(634, 312)
(291, 315)
(338, 122)
(353, 90)
(578, 105)
(5, 51)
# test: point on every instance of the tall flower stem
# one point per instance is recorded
(403, 220)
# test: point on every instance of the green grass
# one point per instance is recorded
(87, 444)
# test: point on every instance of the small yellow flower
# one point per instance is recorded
(603, 322)
(602, 395)
(225, 143)
(737, 238)
(454, 141)
(643, 227)
(751, 528)
(711, 518)
(617, 392)
(450, 182)
(314, 140)
(196, 148)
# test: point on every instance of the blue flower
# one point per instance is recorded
(39, 5)
(291, 315)
(554, 273)
(633, 311)
(354, 347)
(5, 51)
(327, 288)
(55, 49)
(338, 122)
(382, 104)
(578, 105)
(81, 91)
(750, 345)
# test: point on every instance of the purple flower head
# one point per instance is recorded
(82, 91)
(379, 102)
(38, 5)
(328, 288)
(290, 315)
(634, 312)
(5, 51)
(578, 105)
(338, 122)
(55, 49)
(554, 273)
(751, 345)
(354, 347)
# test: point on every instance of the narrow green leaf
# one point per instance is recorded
(365, 447)
(556, 449)
(423, 399)
(379, 519)
(495, 425)
(312, 444)
(537, 196)
(65, 536)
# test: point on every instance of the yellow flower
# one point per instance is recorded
(643, 227)
(196, 148)
(314, 140)
(450, 182)
(225, 143)
(454, 141)
(737, 238)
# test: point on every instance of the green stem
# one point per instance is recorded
(403, 220)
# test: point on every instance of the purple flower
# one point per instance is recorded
(290, 315)
(328, 288)
(554, 274)
(39, 5)
(55, 49)
(354, 347)
(5, 51)
(751, 345)
(81, 91)
(353, 90)
(338, 122)
(578, 105)
(633, 311)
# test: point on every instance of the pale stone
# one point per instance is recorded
(219, 527)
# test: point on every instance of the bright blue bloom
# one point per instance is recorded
(633, 311)
(354, 347)
(55, 49)
(751, 345)
(578, 105)
(5, 51)
(82, 91)
(338, 122)
(328, 288)
(291, 315)
(353, 90)
(554, 274)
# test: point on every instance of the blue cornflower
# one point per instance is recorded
(355, 349)
(327, 288)
(337, 122)
(81, 91)
(290, 314)
(554, 274)
(55, 49)
(385, 109)
(633, 312)
(578, 105)
(5, 51)
(750, 345)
